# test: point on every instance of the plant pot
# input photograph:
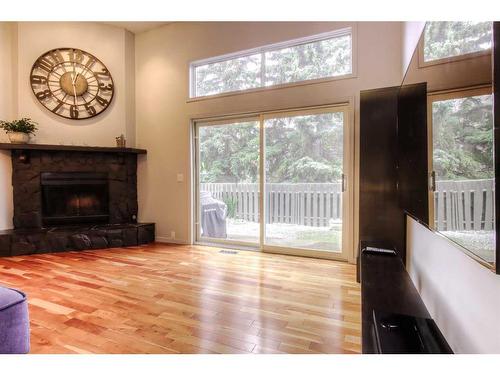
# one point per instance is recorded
(18, 137)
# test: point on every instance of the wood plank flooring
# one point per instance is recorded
(186, 299)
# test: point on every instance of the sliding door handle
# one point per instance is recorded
(432, 181)
(344, 183)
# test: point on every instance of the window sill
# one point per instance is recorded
(447, 60)
(271, 88)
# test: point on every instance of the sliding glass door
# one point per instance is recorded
(298, 160)
(228, 172)
(304, 180)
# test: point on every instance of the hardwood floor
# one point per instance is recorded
(186, 299)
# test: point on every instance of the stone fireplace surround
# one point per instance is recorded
(29, 236)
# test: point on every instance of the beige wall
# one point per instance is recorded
(410, 36)
(109, 44)
(24, 42)
(7, 111)
(130, 131)
(164, 111)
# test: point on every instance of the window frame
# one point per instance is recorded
(351, 30)
(446, 60)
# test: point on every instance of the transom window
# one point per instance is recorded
(319, 56)
(444, 40)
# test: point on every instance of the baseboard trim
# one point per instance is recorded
(162, 239)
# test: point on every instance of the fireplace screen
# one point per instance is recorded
(74, 198)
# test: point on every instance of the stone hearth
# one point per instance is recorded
(39, 241)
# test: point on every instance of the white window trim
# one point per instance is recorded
(270, 47)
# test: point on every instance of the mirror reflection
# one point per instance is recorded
(454, 60)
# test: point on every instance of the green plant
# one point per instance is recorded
(231, 204)
(24, 125)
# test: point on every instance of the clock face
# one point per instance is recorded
(72, 83)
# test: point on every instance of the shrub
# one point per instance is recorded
(231, 204)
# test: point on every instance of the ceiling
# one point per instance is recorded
(137, 27)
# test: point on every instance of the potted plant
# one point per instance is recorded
(19, 131)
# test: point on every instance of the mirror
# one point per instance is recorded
(452, 64)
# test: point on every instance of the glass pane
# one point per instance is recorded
(464, 208)
(229, 181)
(326, 58)
(448, 39)
(303, 194)
(231, 75)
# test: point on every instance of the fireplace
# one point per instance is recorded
(69, 198)
(74, 198)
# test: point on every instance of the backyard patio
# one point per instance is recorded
(298, 215)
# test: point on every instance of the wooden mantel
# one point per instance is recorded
(42, 147)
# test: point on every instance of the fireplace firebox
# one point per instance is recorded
(74, 198)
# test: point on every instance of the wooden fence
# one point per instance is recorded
(464, 205)
(304, 204)
(458, 205)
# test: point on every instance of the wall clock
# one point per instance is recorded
(72, 83)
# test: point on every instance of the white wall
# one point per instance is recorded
(20, 45)
(462, 296)
(164, 111)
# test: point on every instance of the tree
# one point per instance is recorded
(312, 145)
(331, 57)
(229, 153)
(463, 138)
(446, 39)
(230, 75)
(326, 58)
(298, 149)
